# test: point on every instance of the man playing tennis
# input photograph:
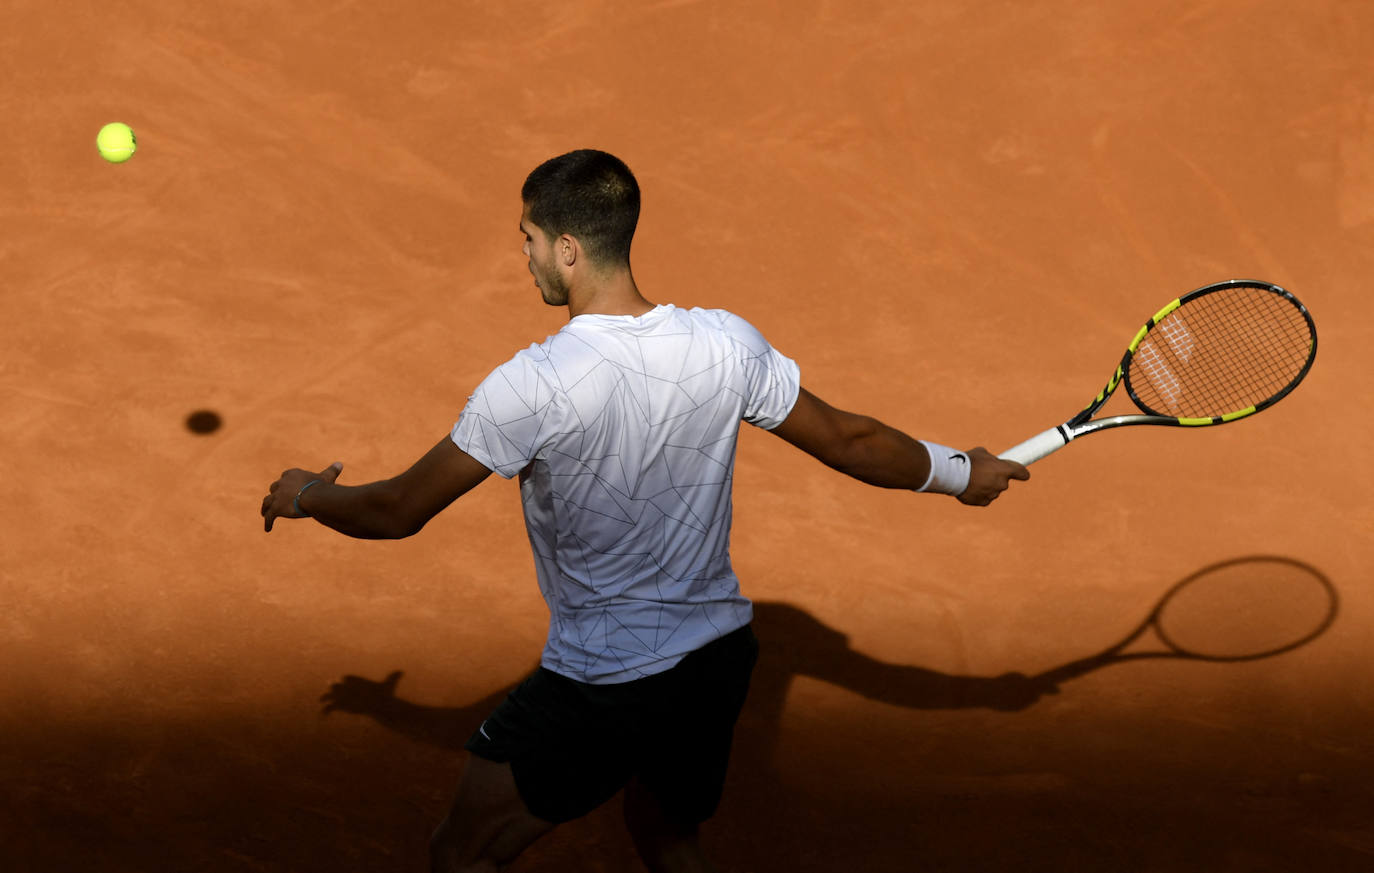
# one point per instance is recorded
(622, 429)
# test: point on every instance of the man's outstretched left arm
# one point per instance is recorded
(388, 509)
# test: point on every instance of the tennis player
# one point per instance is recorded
(622, 430)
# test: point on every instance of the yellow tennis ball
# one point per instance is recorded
(116, 142)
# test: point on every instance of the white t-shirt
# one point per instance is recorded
(623, 432)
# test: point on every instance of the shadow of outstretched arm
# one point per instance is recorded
(919, 688)
(807, 647)
(445, 727)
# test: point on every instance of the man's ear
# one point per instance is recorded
(567, 250)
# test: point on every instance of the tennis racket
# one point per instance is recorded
(1217, 354)
(1238, 610)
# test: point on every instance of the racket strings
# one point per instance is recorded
(1221, 353)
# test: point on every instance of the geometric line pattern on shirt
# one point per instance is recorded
(624, 433)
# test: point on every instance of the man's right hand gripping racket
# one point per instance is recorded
(1217, 354)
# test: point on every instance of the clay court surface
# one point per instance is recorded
(952, 214)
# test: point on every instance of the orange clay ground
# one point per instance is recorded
(952, 214)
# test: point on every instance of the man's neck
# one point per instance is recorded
(613, 294)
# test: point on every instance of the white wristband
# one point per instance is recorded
(949, 469)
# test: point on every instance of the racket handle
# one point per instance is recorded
(1036, 447)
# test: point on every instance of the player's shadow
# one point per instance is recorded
(824, 790)
(794, 643)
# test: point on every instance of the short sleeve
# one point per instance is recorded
(772, 379)
(511, 415)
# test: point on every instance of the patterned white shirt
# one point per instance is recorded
(623, 432)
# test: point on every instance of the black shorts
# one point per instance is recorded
(572, 746)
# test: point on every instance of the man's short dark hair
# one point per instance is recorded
(590, 195)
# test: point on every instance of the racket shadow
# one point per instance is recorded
(1241, 609)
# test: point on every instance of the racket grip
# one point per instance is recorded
(1036, 447)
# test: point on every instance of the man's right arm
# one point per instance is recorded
(870, 451)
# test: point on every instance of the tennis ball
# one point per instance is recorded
(116, 142)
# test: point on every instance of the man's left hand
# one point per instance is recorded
(280, 501)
